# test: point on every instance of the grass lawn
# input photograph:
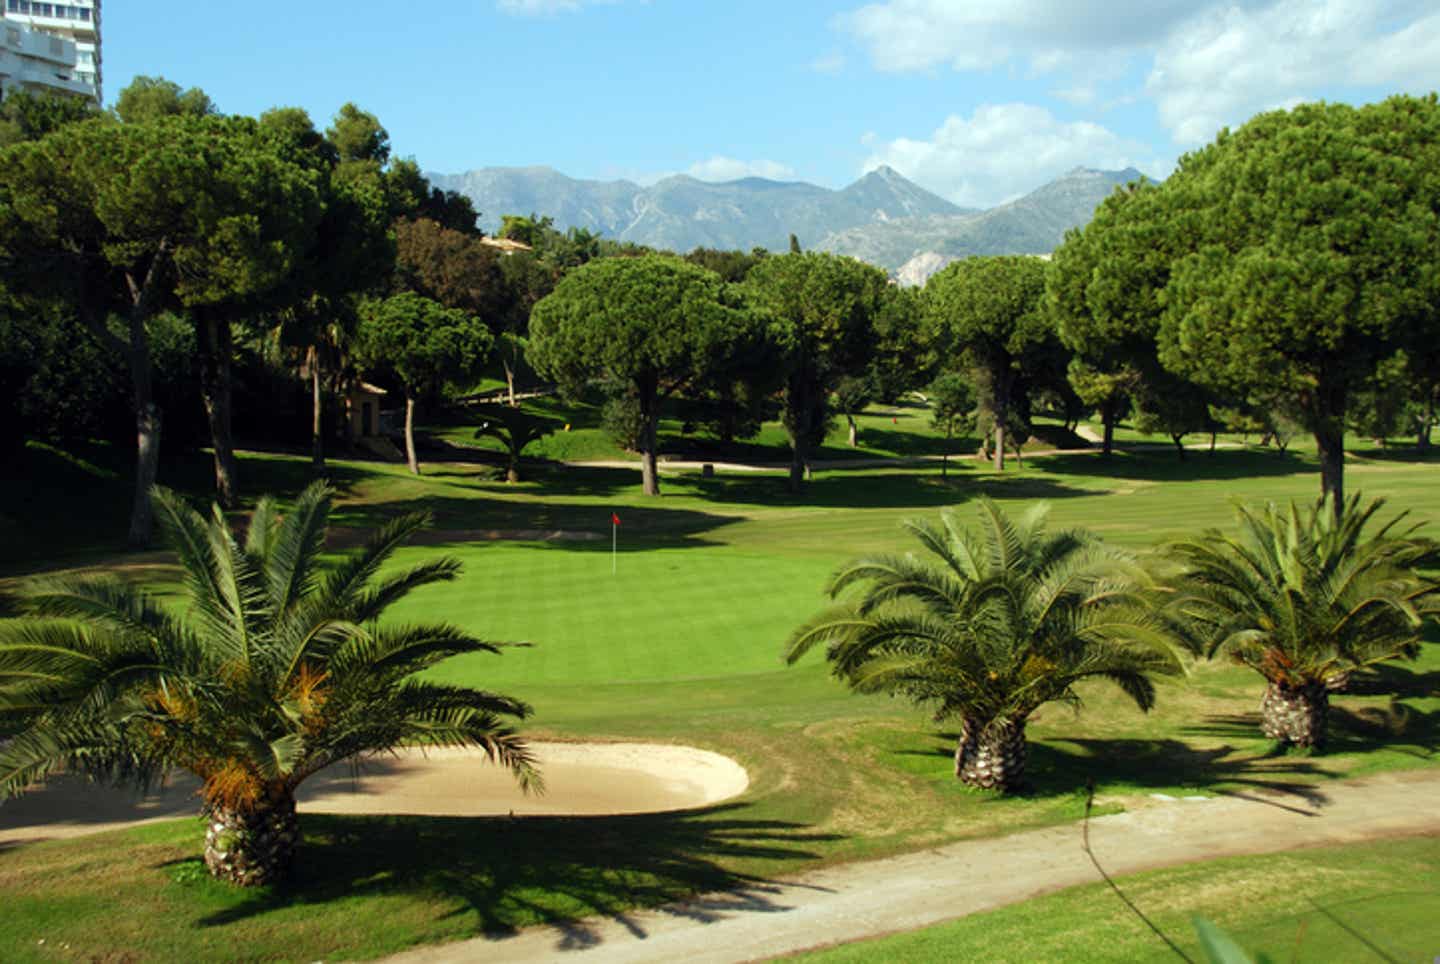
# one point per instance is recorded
(1361, 902)
(680, 644)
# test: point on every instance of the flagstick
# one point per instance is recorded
(614, 542)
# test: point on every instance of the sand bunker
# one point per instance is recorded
(580, 779)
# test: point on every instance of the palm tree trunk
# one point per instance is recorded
(1296, 715)
(255, 847)
(992, 757)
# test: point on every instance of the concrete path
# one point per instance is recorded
(853, 901)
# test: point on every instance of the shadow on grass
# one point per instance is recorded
(1158, 462)
(512, 872)
(66, 506)
(470, 520)
(874, 490)
(1057, 767)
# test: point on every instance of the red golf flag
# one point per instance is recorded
(614, 519)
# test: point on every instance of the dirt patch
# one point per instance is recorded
(581, 779)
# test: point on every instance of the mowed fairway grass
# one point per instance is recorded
(681, 643)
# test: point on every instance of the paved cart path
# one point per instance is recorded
(853, 901)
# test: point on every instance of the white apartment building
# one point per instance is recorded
(31, 60)
(75, 21)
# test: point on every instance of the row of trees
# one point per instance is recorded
(152, 248)
(1284, 277)
(1249, 291)
(1286, 272)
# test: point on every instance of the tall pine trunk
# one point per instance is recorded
(147, 436)
(317, 421)
(1327, 420)
(215, 391)
(649, 397)
(509, 383)
(1422, 436)
(254, 847)
(410, 458)
(1002, 412)
(992, 756)
(1296, 715)
(142, 384)
(800, 423)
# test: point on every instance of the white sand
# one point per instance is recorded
(580, 779)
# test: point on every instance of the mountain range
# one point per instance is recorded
(882, 218)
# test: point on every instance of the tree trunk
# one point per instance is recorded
(142, 385)
(1212, 441)
(317, 421)
(1296, 715)
(1001, 381)
(851, 420)
(252, 848)
(650, 420)
(147, 461)
(1179, 441)
(215, 391)
(410, 458)
(509, 381)
(999, 443)
(1327, 419)
(992, 757)
(1108, 413)
(801, 412)
(1422, 437)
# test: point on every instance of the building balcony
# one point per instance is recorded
(31, 45)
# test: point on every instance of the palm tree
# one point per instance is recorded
(1011, 618)
(515, 429)
(276, 670)
(1304, 598)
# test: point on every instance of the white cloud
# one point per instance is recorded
(1230, 63)
(1005, 150)
(1209, 63)
(720, 168)
(977, 34)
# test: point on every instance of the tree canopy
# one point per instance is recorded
(424, 344)
(991, 309)
(826, 306)
(1103, 292)
(654, 324)
(1303, 244)
(203, 213)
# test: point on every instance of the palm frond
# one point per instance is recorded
(291, 556)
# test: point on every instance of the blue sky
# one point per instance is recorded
(977, 100)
